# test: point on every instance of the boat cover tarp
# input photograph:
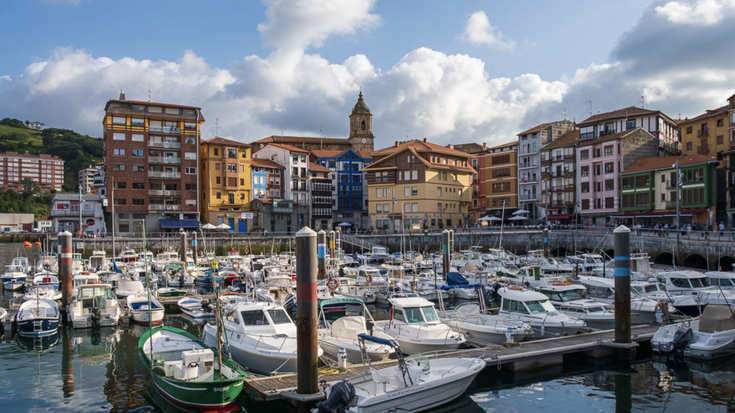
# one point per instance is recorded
(467, 311)
(455, 278)
(347, 328)
(378, 340)
(717, 318)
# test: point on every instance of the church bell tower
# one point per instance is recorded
(361, 127)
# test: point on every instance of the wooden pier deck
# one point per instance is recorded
(527, 355)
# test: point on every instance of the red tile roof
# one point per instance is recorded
(710, 113)
(318, 168)
(419, 146)
(614, 136)
(511, 143)
(222, 141)
(288, 147)
(536, 128)
(569, 138)
(326, 153)
(265, 163)
(630, 111)
(652, 163)
(300, 139)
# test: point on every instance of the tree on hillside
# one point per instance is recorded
(14, 123)
(30, 186)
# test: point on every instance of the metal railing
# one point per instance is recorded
(163, 192)
(168, 145)
(164, 159)
(169, 175)
(164, 207)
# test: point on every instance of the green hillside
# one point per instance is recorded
(77, 151)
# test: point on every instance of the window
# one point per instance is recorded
(689, 145)
(608, 150)
(406, 191)
(379, 208)
(138, 137)
(118, 136)
(138, 185)
(439, 206)
(138, 201)
(378, 192)
(609, 168)
(231, 198)
(609, 202)
(119, 152)
(501, 172)
(118, 167)
(138, 168)
(720, 122)
(120, 185)
(630, 124)
(414, 175)
(415, 207)
(584, 154)
(190, 155)
(406, 207)
(720, 139)
(190, 187)
(191, 171)
(585, 187)
(585, 171)
(444, 176)
(218, 195)
(217, 180)
(497, 160)
(414, 191)
(216, 166)
(138, 108)
(118, 120)
(137, 152)
(244, 154)
(385, 208)
(689, 129)
(139, 122)
(120, 201)
(439, 191)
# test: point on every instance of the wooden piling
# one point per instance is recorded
(306, 313)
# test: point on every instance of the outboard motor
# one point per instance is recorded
(340, 398)
(682, 337)
(95, 317)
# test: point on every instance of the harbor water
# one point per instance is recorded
(100, 370)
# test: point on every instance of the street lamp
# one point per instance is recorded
(80, 211)
(393, 215)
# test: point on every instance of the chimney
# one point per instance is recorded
(484, 145)
(424, 140)
(450, 146)
(122, 95)
(396, 144)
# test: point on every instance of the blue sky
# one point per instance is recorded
(449, 71)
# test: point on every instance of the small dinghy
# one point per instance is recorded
(195, 308)
(145, 309)
(709, 337)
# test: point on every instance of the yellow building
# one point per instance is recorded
(417, 184)
(499, 178)
(706, 134)
(226, 183)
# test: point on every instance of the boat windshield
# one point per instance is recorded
(599, 309)
(94, 292)
(722, 282)
(700, 282)
(541, 306)
(594, 260)
(568, 295)
(279, 316)
(430, 314)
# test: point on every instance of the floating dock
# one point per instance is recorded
(528, 355)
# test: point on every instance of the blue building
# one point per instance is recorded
(260, 180)
(349, 195)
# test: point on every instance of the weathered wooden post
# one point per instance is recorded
(182, 253)
(65, 272)
(338, 244)
(426, 242)
(321, 254)
(546, 242)
(331, 244)
(306, 314)
(445, 252)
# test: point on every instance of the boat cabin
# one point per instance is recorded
(414, 310)
(525, 302)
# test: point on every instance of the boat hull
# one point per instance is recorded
(38, 327)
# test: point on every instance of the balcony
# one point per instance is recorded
(607, 132)
(164, 207)
(167, 145)
(165, 129)
(163, 192)
(70, 213)
(164, 159)
(703, 149)
(702, 133)
(670, 204)
(532, 180)
(527, 165)
(165, 175)
(557, 158)
(527, 197)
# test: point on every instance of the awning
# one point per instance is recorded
(179, 223)
(560, 216)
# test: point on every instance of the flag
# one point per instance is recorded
(115, 269)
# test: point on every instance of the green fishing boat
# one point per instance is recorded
(189, 373)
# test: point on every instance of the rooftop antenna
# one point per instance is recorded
(589, 106)
(408, 131)
(565, 113)
(321, 135)
(149, 93)
(216, 127)
(643, 101)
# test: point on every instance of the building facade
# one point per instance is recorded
(417, 184)
(151, 153)
(65, 214)
(278, 216)
(600, 162)
(730, 162)
(320, 207)
(295, 163)
(498, 177)
(267, 179)
(226, 183)
(46, 170)
(649, 190)
(559, 178)
(87, 178)
(530, 143)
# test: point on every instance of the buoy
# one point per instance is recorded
(27, 243)
(37, 243)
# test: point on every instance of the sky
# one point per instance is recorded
(451, 72)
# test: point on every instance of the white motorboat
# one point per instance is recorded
(3, 315)
(534, 308)
(722, 279)
(415, 384)
(45, 292)
(341, 320)
(572, 300)
(711, 336)
(416, 326)
(94, 305)
(14, 278)
(643, 309)
(348, 287)
(126, 288)
(21, 262)
(37, 318)
(367, 275)
(260, 336)
(692, 292)
(194, 308)
(468, 319)
(145, 309)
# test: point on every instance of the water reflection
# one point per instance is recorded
(38, 344)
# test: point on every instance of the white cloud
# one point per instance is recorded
(706, 12)
(479, 31)
(298, 24)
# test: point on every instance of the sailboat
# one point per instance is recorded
(186, 371)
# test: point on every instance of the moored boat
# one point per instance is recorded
(37, 318)
(145, 309)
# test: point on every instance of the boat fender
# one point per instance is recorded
(341, 397)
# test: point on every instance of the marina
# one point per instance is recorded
(553, 350)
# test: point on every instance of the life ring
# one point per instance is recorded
(47, 266)
(515, 287)
(246, 250)
(236, 265)
(332, 283)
